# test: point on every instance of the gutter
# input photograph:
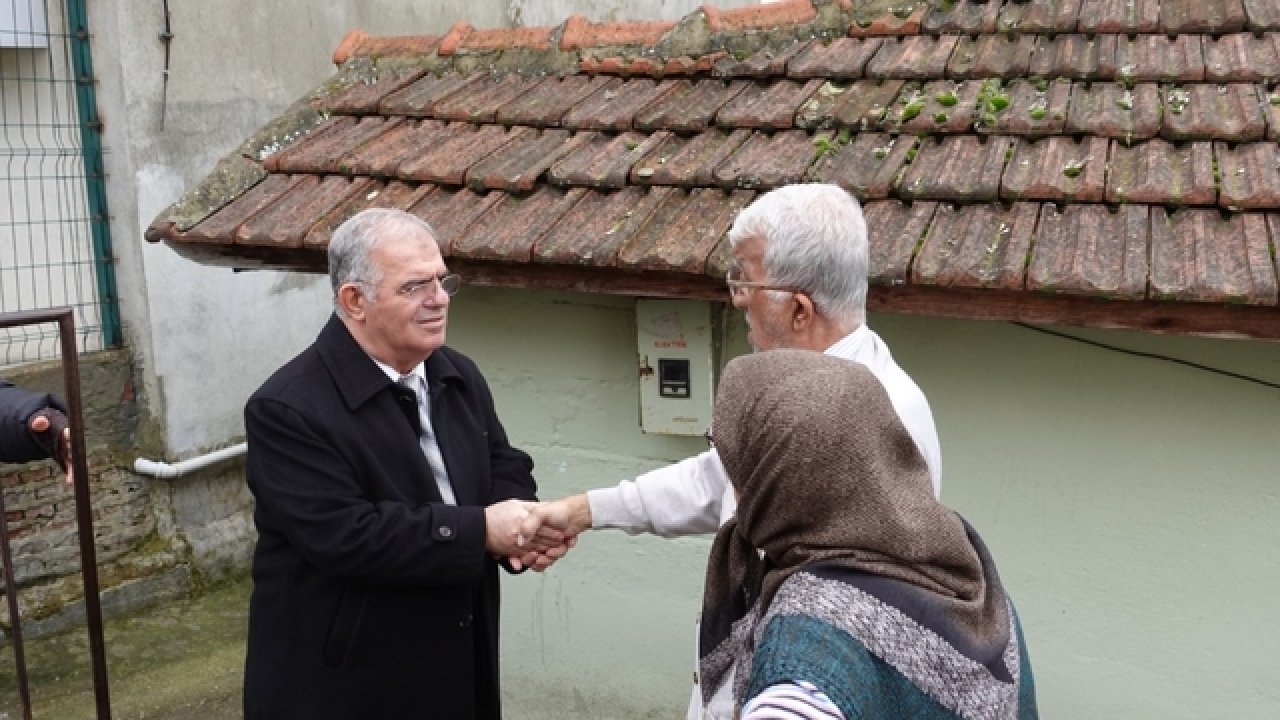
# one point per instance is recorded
(165, 470)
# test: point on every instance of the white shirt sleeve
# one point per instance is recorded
(687, 498)
(788, 701)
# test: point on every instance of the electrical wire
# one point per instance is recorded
(1153, 356)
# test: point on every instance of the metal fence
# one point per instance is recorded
(55, 248)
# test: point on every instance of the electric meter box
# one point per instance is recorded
(674, 346)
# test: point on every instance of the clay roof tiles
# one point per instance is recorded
(1102, 162)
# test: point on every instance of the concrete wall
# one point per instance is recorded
(205, 338)
(1129, 502)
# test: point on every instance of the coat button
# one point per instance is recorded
(466, 620)
(445, 532)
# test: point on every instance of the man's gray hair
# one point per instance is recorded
(354, 240)
(815, 240)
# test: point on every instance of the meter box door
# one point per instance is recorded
(675, 366)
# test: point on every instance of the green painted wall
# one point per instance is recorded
(1132, 505)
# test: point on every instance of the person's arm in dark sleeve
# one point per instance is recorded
(512, 469)
(307, 491)
(18, 442)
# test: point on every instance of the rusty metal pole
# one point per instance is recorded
(84, 512)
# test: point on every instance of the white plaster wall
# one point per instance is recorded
(1130, 504)
(206, 337)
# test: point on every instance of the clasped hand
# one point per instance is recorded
(525, 534)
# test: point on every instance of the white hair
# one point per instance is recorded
(815, 240)
(354, 240)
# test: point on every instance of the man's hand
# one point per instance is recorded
(570, 515)
(48, 424)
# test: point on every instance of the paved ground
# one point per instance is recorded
(175, 662)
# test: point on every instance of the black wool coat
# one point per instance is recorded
(372, 598)
(17, 443)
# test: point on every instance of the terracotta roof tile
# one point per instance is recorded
(986, 56)
(514, 224)
(1159, 172)
(614, 106)
(1241, 57)
(916, 57)
(1057, 168)
(382, 154)
(689, 107)
(895, 22)
(223, 223)
(1035, 108)
(772, 105)
(598, 226)
(1114, 111)
(840, 58)
(1048, 17)
(1158, 58)
(448, 162)
(323, 152)
(1206, 16)
(517, 165)
(1091, 250)
(684, 230)
(362, 98)
(688, 161)
(420, 97)
(868, 166)
(604, 161)
(1250, 174)
(1080, 57)
(536, 38)
(759, 17)
(451, 211)
(962, 17)
(1261, 15)
(1223, 112)
(358, 42)
(1198, 255)
(942, 106)
(548, 101)
(1271, 110)
(962, 168)
(287, 221)
(581, 33)
(768, 161)
(479, 102)
(763, 63)
(895, 230)
(375, 195)
(977, 246)
(1119, 16)
(865, 103)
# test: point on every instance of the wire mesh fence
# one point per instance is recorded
(48, 253)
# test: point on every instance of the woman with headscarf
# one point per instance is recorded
(842, 588)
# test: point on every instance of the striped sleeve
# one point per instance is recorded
(787, 701)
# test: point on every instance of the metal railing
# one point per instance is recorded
(55, 245)
(65, 319)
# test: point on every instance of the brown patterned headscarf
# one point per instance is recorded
(826, 472)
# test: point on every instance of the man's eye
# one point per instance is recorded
(412, 288)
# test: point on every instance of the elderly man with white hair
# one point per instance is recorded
(799, 272)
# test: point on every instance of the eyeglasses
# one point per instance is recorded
(739, 287)
(450, 283)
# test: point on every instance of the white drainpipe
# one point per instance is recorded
(166, 470)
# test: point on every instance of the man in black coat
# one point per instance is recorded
(33, 426)
(382, 512)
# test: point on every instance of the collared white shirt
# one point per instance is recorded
(416, 380)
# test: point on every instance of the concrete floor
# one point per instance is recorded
(181, 661)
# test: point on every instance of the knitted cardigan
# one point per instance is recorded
(875, 661)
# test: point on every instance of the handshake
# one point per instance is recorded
(535, 534)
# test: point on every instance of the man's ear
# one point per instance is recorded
(803, 312)
(352, 301)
